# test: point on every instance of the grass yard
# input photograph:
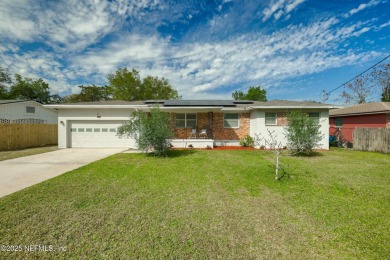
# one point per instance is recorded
(207, 204)
(5, 155)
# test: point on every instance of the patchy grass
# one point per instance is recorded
(207, 204)
(5, 155)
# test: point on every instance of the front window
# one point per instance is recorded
(230, 120)
(315, 117)
(270, 118)
(338, 122)
(185, 120)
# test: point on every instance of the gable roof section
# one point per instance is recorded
(290, 104)
(106, 103)
(197, 104)
(367, 108)
(9, 101)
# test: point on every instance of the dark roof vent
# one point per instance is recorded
(243, 102)
(154, 101)
(199, 103)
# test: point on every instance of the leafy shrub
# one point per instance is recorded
(302, 133)
(247, 141)
(151, 130)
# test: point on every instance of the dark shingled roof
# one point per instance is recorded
(8, 101)
(197, 103)
(367, 108)
(207, 103)
(107, 103)
(286, 103)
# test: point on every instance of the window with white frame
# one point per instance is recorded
(270, 118)
(315, 116)
(186, 120)
(231, 120)
(30, 110)
(338, 122)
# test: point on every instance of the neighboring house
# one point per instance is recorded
(344, 121)
(224, 122)
(26, 112)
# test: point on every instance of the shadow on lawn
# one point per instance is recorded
(179, 153)
(307, 155)
(172, 153)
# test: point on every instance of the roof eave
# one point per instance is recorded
(361, 113)
(292, 107)
(95, 106)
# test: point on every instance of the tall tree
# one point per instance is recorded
(357, 91)
(386, 94)
(89, 94)
(127, 85)
(156, 88)
(254, 93)
(28, 88)
(381, 77)
(5, 80)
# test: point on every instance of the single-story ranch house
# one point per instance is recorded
(217, 122)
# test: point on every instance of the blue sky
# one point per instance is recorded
(206, 49)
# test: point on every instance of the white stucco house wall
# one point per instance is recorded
(222, 122)
(26, 112)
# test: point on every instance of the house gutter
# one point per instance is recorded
(96, 106)
(358, 114)
(292, 107)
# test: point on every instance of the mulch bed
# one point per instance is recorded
(219, 148)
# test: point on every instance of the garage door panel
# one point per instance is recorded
(98, 134)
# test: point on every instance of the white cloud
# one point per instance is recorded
(279, 8)
(384, 25)
(361, 31)
(275, 6)
(199, 68)
(15, 20)
(362, 7)
(69, 24)
(292, 5)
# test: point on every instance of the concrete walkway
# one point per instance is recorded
(19, 173)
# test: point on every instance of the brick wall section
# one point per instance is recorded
(281, 118)
(219, 132)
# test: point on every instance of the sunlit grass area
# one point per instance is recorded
(207, 204)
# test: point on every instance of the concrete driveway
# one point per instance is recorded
(19, 173)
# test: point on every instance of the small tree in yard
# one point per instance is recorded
(151, 130)
(276, 147)
(302, 133)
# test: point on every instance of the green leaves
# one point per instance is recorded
(151, 131)
(127, 85)
(254, 93)
(302, 133)
(28, 88)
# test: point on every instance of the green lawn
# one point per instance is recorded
(5, 155)
(207, 204)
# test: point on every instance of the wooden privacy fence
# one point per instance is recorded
(372, 139)
(18, 136)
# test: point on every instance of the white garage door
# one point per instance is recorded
(98, 134)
